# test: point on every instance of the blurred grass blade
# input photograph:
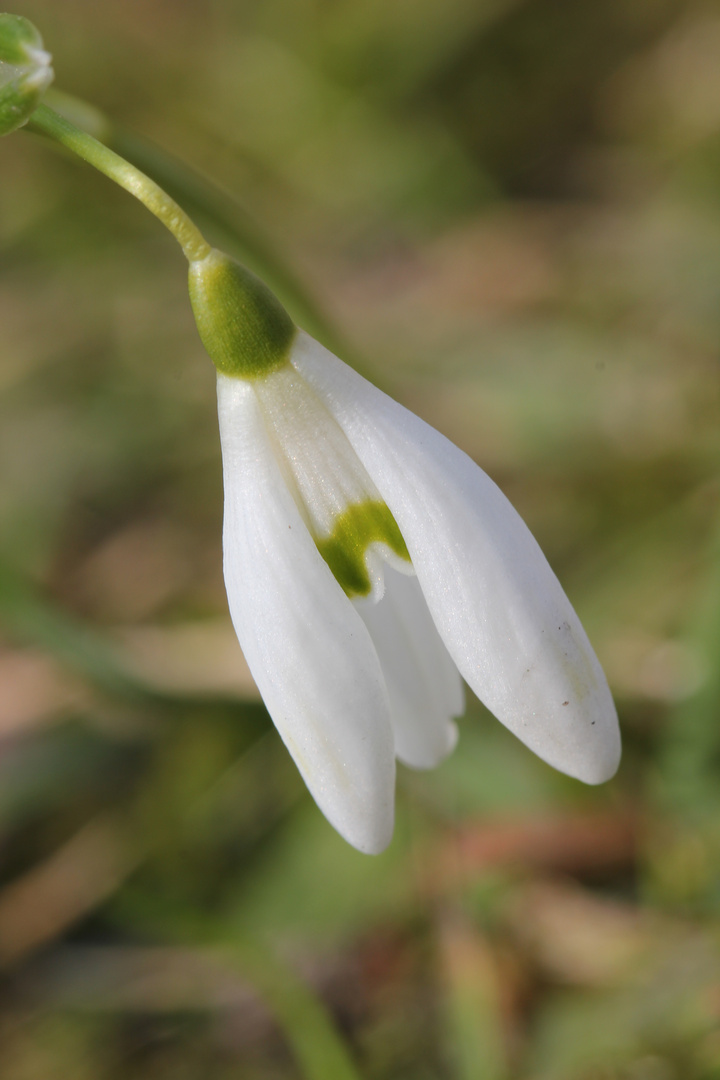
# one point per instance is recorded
(61, 890)
(29, 618)
(317, 1046)
(311, 1035)
(472, 1002)
(690, 747)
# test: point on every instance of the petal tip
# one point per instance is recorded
(596, 748)
(605, 762)
(370, 835)
(430, 754)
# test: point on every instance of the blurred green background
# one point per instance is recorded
(510, 210)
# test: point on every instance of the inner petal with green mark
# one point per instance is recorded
(353, 528)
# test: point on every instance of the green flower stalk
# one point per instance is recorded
(370, 565)
(47, 122)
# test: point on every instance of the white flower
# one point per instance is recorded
(369, 564)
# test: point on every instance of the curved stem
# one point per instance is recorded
(231, 226)
(50, 123)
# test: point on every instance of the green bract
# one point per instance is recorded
(17, 36)
(244, 328)
(25, 71)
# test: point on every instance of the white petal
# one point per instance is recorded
(423, 683)
(306, 646)
(315, 457)
(497, 604)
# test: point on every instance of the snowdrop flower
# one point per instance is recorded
(371, 566)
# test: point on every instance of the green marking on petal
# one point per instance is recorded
(355, 529)
(245, 329)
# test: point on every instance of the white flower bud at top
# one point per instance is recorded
(25, 71)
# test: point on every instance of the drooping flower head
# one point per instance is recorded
(370, 564)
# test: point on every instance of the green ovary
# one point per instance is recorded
(245, 329)
(355, 529)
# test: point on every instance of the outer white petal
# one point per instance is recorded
(497, 604)
(423, 683)
(306, 646)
